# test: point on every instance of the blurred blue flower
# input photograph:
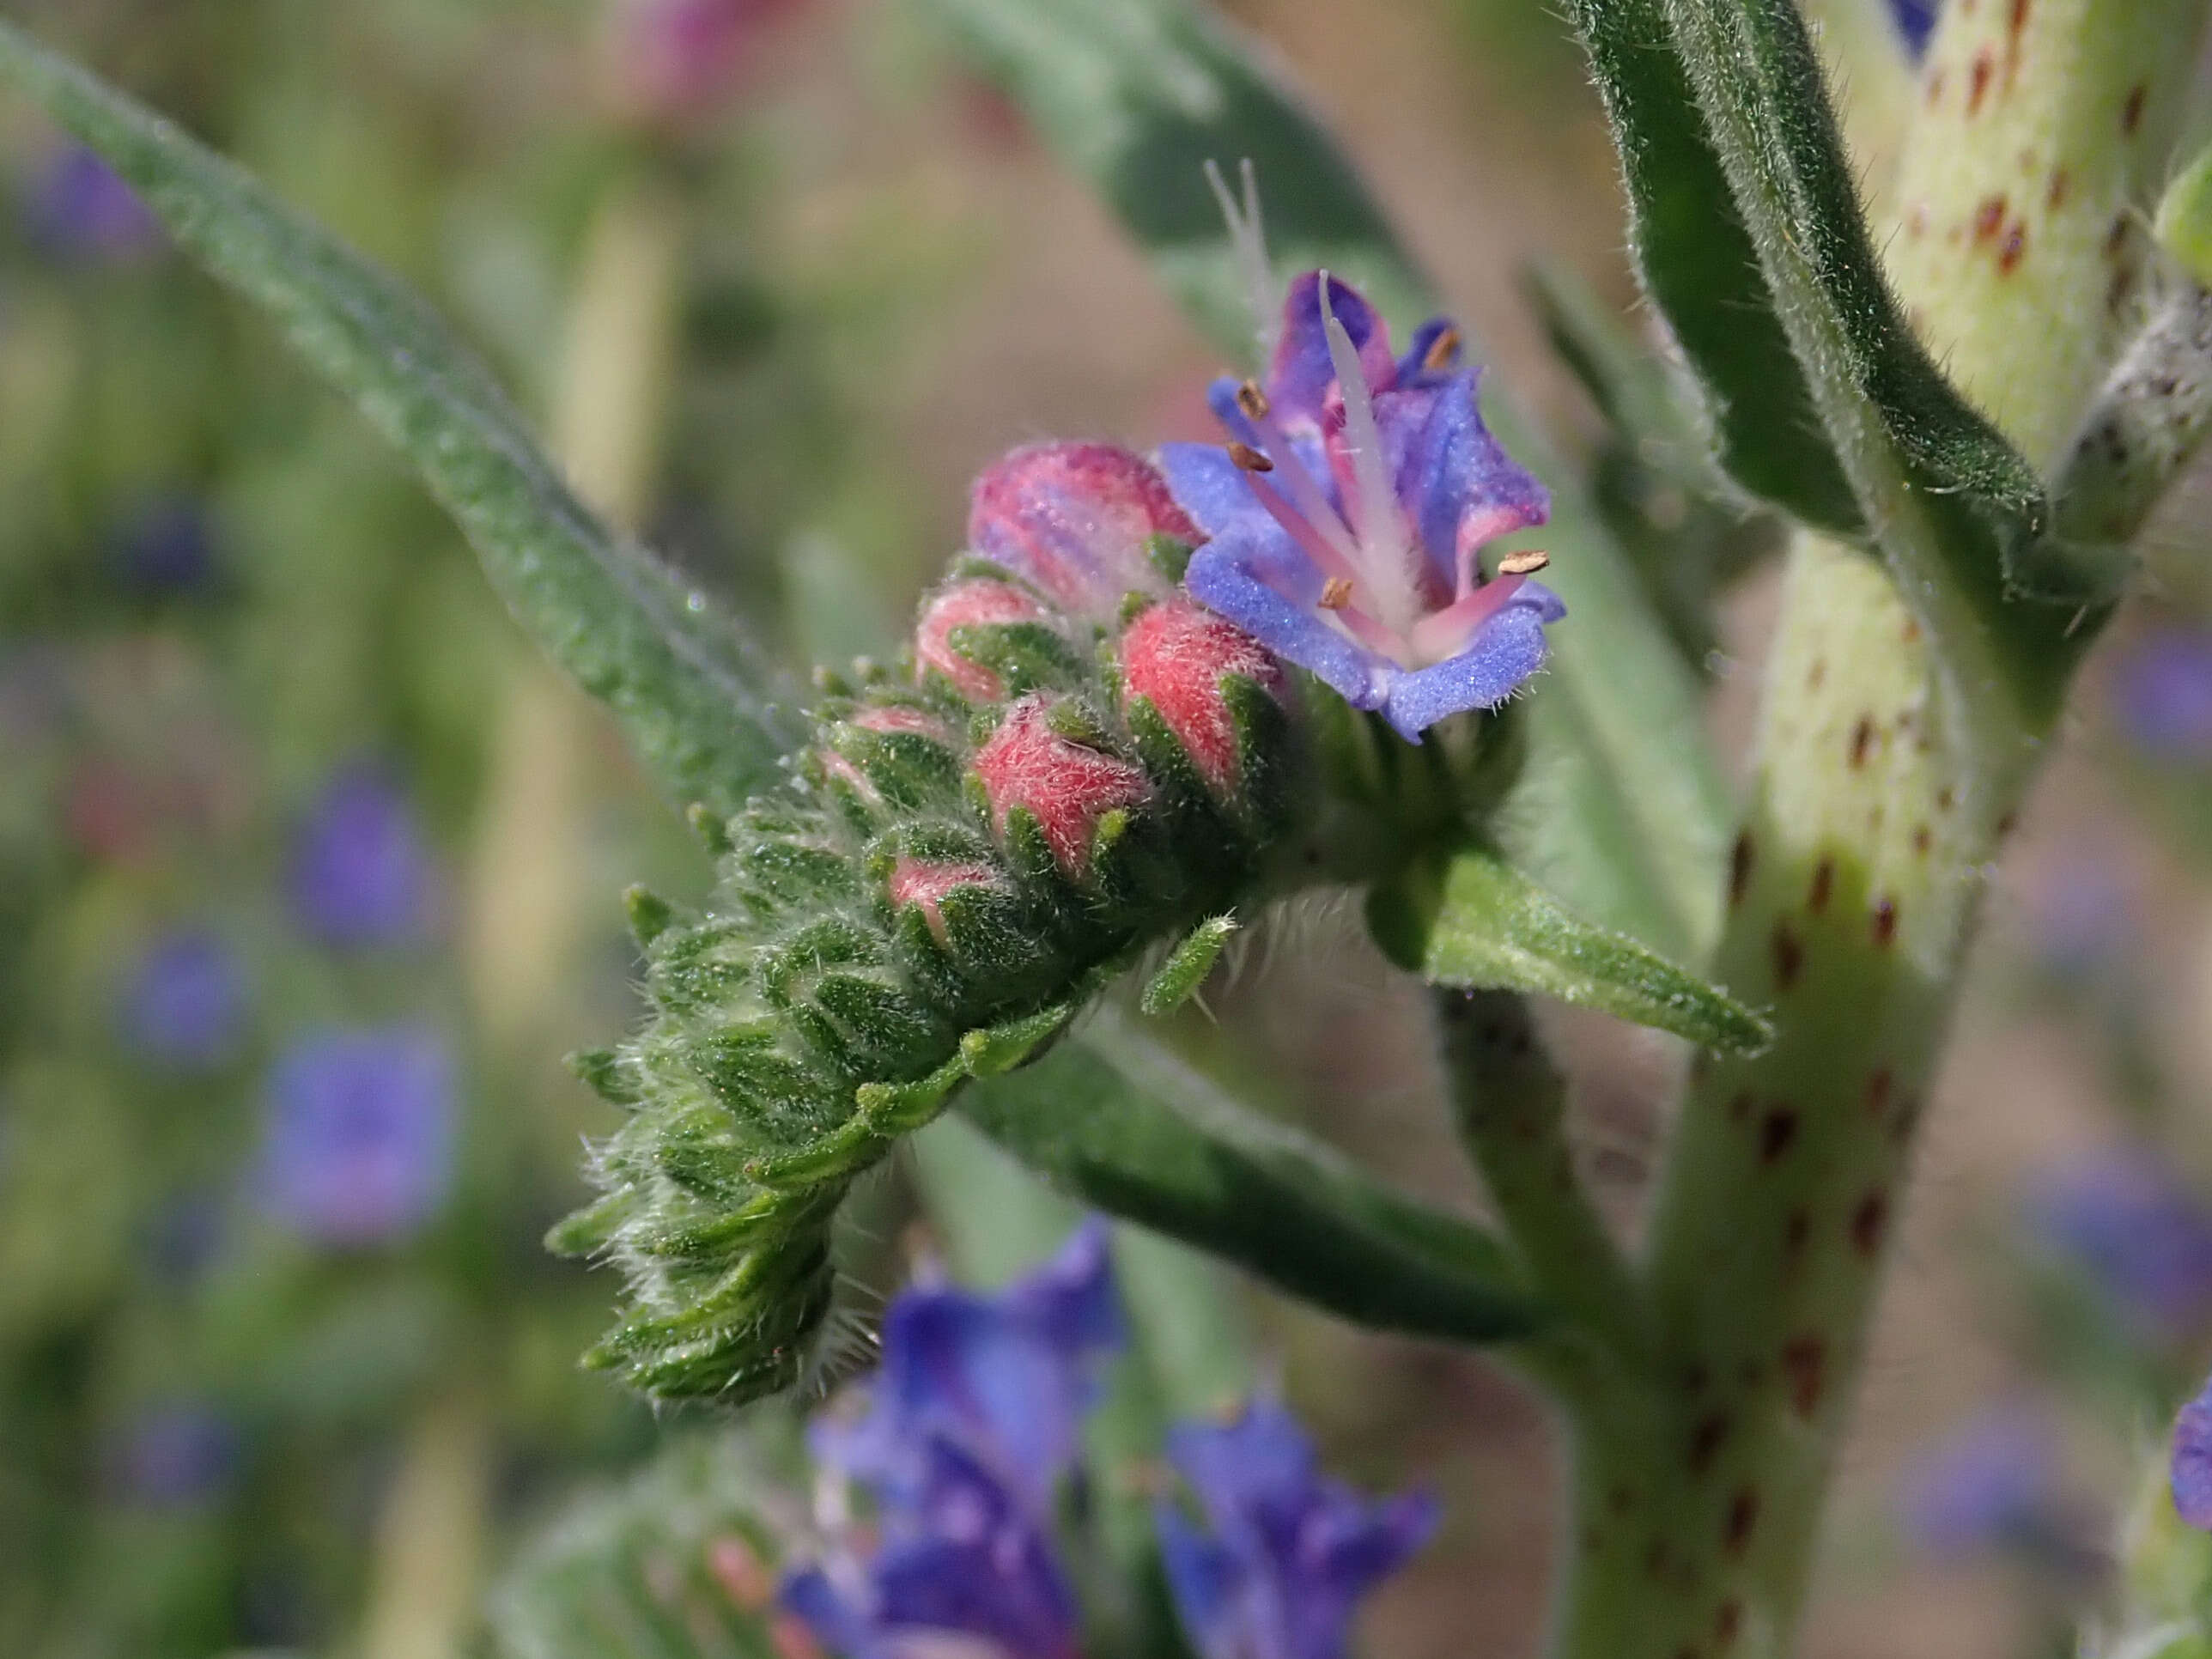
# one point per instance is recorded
(185, 1007)
(2140, 1237)
(357, 1143)
(1287, 1555)
(973, 1421)
(2162, 696)
(2080, 918)
(1916, 21)
(2192, 1461)
(1346, 519)
(81, 210)
(1993, 1483)
(178, 1455)
(1007, 1376)
(362, 874)
(167, 546)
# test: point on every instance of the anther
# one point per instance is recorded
(1249, 459)
(1253, 401)
(1336, 594)
(1523, 563)
(1441, 350)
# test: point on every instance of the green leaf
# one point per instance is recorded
(1751, 240)
(1699, 263)
(1136, 96)
(695, 697)
(1492, 928)
(1115, 1120)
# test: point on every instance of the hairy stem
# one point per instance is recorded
(1875, 806)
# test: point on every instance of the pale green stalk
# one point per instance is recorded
(1885, 783)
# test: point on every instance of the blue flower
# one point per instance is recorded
(2141, 1237)
(185, 1007)
(1347, 516)
(1993, 1483)
(973, 1422)
(357, 1145)
(178, 1455)
(81, 210)
(1009, 1376)
(1916, 21)
(2162, 696)
(1287, 1555)
(360, 872)
(2192, 1461)
(168, 547)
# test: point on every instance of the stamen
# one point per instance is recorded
(1445, 633)
(1523, 564)
(1253, 401)
(1335, 594)
(1305, 493)
(1381, 535)
(1247, 248)
(1248, 459)
(1441, 350)
(1324, 552)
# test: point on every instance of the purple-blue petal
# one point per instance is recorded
(1505, 651)
(1413, 368)
(1008, 1375)
(2192, 1461)
(1452, 472)
(2140, 1235)
(185, 1004)
(1916, 21)
(361, 872)
(1213, 488)
(841, 1624)
(1292, 1554)
(974, 1557)
(357, 1145)
(1992, 1483)
(1299, 380)
(1246, 577)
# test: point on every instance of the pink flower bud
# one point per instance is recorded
(976, 603)
(1068, 786)
(1075, 518)
(1174, 656)
(924, 883)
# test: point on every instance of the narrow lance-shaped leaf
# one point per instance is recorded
(1137, 96)
(1115, 1121)
(1489, 928)
(1720, 109)
(693, 695)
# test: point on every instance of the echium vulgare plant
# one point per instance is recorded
(1154, 695)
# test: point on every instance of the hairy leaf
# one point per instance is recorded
(1136, 96)
(1493, 929)
(1721, 114)
(694, 697)
(1117, 1122)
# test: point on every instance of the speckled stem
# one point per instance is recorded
(1873, 812)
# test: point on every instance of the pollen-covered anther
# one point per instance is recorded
(1065, 786)
(1253, 401)
(978, 602)
(925, 882)
(1336, 594)
(1527, 563)
(1443, 352)
(1249, 459)
(1176, 656)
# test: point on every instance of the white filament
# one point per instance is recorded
(1247, 249)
